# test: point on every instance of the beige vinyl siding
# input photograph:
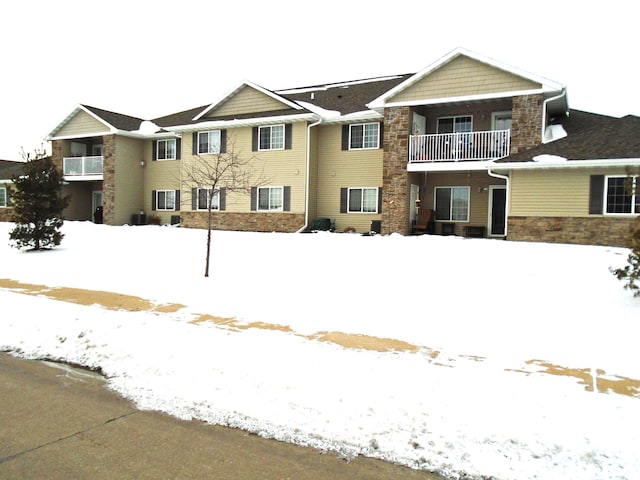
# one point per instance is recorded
(461, 77)
(247, 100)
(277, 167)
(81, 192)
(478, 196)
(338, 169)
(161, 175)
(313, 175)
(129, 178)
(82, 123)
(553, 192)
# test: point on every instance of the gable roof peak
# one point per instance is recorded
(240, 86)
(546, 84)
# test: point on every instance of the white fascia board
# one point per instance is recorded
(82, 135)
(466, 166)
(599, 163)
(464, 98)
(123, 133)
(246, 122)
(366, 115)
(251, 85)
(83, 178)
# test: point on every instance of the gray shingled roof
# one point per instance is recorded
(117, 120)
(590, 137)
(186, 117)
(9, 168)
(345, 97)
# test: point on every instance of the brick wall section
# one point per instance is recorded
(395, 188)
(245, 222)
(526, 122)
(109, 178)
(597, 230)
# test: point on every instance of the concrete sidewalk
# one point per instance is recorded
(57, 422)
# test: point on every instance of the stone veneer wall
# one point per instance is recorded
(56, 154)
(5, 214)
(526, 122)
(597, 230)
(395, 181)
(109, 178)
(254, 222)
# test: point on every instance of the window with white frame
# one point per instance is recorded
(165, 200)
(271, 137)
(452, 204)
(460, 124)
(270, 198)
(209, 142)
(204, 197)
(364, 135)
(3, 197)
(166, 149)
(362, 200)
(622, 196)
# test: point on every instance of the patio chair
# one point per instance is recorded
(425, 223)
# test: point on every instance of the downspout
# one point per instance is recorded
(506, 204)
(307, 177)
(544, 110)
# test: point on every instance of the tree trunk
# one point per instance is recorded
(206, 268)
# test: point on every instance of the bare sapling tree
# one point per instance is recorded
(217, 174)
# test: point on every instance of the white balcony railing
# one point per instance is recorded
(82, 166)
(455, 147)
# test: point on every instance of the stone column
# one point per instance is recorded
(57, 154)
(526, 122)
(395, 181)
(109, 178)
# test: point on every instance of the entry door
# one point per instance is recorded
(415, 194)
(96, 200)
(497, 210)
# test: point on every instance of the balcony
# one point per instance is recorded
(457, 147)
(82, 168)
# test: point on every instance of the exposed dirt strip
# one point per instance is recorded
(593, 379)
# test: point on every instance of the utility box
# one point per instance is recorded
(138, 219)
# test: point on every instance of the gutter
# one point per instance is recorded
(544, 111)
(307, 177)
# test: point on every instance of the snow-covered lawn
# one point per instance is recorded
(463, 356)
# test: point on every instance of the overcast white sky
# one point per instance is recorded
(152, 58)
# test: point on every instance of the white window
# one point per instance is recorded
(166, 149)
(209, 142)
(78, 149)
(362, 200)
(270, 198)
(204, 197)
(452, 204)
(271, 137)
(364, 135)
(622, 196)
(165, 200)
(3, 197)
